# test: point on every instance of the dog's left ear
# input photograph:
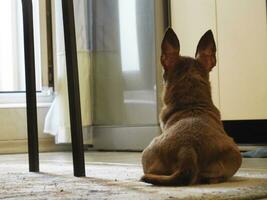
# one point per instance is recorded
(206, 51)
(170, 49)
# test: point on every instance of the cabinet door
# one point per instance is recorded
(242, 42)
(190, 20)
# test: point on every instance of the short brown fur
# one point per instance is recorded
(193, 147)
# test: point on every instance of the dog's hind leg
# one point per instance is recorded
(186, 172)
(223, 168)
(214, 173)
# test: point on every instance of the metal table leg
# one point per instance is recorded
(73, 88)
(30, 86)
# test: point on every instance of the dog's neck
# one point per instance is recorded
(190, 99)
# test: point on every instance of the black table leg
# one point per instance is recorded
(73, 88)
(30, 86)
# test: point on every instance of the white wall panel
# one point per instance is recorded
(190, 20)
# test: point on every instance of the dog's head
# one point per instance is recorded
(187, 79)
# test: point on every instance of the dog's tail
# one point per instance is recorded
(186, 174)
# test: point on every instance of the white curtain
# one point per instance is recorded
(57, 120)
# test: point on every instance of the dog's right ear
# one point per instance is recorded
(206, 51)
(170, 49)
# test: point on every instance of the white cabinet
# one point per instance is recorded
(242, 42)
(239, 81)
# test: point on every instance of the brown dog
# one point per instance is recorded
(193, 147)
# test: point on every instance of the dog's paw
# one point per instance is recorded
(143, 178)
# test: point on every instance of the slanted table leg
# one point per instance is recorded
(73, 88)
(33, 151)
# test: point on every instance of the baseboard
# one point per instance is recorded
(123, 138)
(250, 147)
(247, 131)
(21, 146)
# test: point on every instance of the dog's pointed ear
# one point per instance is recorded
(206, 51)
(170, 48)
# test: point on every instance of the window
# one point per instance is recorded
(12, 69)
(128, 35)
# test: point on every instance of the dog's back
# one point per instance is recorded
(193, 147)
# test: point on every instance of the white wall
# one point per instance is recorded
(14, 125)
(13, 132)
